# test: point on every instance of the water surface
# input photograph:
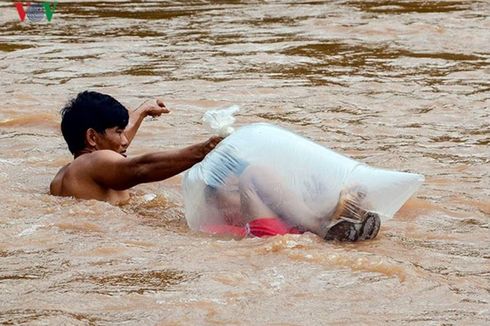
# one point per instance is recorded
(396, 84)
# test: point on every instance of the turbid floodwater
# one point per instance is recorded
(396, 84)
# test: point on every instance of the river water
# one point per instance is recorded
(396, 84)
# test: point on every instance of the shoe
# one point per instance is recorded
(348, 230)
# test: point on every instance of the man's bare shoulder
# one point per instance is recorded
(55, 186)
(89, 160)
(80, 169)
(103, 154)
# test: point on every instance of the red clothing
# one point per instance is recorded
(261, 227)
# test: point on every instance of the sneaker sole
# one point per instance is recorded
(349, 231)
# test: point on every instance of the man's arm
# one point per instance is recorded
(152, 108)
(111, 170)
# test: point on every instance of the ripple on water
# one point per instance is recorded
(401, 7)
(29, 316)
(300, 248)
(38, 119)
(131, 282)
(11, 47)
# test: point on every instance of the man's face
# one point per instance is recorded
(113, 139)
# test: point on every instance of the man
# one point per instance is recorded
(98, 130)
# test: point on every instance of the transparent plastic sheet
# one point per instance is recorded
(303, 182)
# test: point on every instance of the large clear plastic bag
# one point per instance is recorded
(310, 184)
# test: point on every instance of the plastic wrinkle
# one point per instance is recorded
(221, 121)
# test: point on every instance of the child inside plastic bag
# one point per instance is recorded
(254, 201)
(263, 180)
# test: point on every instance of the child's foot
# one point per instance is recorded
(348, 230)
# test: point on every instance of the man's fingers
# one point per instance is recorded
(153, 108)
(215, 140)
(159, 110)
(161, 106)
(160, 103)
(156, 111)
(210, 144)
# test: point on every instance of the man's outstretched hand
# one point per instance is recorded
(210, 144)
(153, 108)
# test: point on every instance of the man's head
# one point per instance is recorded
(94, 121)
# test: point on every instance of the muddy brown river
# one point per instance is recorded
(398, 84)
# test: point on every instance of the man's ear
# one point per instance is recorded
(91, 137)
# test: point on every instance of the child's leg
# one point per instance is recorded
(264, 194)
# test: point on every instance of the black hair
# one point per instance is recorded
(90, 110)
